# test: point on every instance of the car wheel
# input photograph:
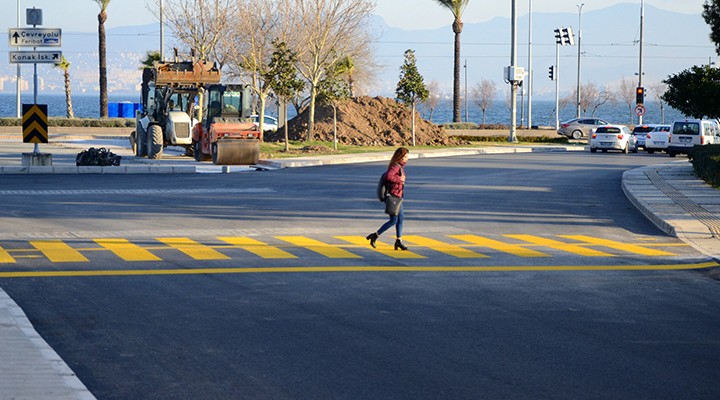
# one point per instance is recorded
(604, 150)
(635, 150)
(671, 153)
(651, 151)
(577, 135)
(593, 150)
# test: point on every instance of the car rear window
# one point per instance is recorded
(686, 128)
(661, 129)
(642, 129)
(607, 129)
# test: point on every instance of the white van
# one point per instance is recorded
(687, 133)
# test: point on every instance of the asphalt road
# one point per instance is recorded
(528, 276)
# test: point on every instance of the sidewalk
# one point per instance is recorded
(668, 194)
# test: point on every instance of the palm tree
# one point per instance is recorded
(456, 7)
(65, 66)
(102, 49)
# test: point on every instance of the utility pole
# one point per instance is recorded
(513, 82)
(640, 68)
(579, 42)
(162, 33)
(529, 84)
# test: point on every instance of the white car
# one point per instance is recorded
(690, 132)
(657, 139)
(613, 137)
(269, 123)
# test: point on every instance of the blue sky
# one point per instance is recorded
(81, 15)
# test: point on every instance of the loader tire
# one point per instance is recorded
(155, 142)
(140, 141)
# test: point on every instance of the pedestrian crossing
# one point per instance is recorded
(462, 246)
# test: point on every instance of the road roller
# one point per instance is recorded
(226, 134)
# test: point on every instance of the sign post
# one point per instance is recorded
(35, 115)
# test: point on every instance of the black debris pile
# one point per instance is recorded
(101, 157)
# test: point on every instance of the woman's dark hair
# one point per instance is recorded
(398, 155)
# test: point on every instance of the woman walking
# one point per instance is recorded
(395, 178)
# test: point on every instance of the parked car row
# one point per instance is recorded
(676, 138)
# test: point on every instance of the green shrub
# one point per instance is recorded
(80, 122)
(460, 125)
(706, 163)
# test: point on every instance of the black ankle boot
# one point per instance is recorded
(399, 245)
(372, 238)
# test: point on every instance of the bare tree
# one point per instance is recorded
(625, 91)
(433, 99)
(657, 90)
(325, 32)
(592, 98)
(200, 25)
(249, 44)
(483, 95)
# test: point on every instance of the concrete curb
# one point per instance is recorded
(52, 377)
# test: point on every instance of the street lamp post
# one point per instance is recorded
(19, 75)
(579, 41)
(466, 94)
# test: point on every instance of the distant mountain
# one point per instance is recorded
(672, 42)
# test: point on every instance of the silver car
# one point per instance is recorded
(577, 128)
(613, 137)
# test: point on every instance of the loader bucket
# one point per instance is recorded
(236, 152)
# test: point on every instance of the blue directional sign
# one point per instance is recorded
(34, 57)
(35, 37)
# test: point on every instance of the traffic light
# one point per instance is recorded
(551, 72)
(568, 37)
(558, 36)
(640, 95)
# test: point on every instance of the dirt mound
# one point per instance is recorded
(366, 121)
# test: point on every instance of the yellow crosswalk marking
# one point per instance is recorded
(126, 250)
(257, 247)
(557, 245)
(631, 248)
(318, 247)
(499, 246)
(383, 248)
(194, 249)
(447, 248)
(5, 257)
(58, 251)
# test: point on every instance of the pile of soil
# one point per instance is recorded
(366, 121)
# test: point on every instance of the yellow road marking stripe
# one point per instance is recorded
(327, 250)
(201, 271)
(257, 247)
(126, 250)
(557, 245)
(446, 248)
(514, 249)
(5, 257)
(382, 248)
(631, 248)
(194, 249)
(58, 251)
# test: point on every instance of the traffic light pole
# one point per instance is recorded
(557, 86)
(640, 69)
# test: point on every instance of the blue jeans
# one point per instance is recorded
(396, 220)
